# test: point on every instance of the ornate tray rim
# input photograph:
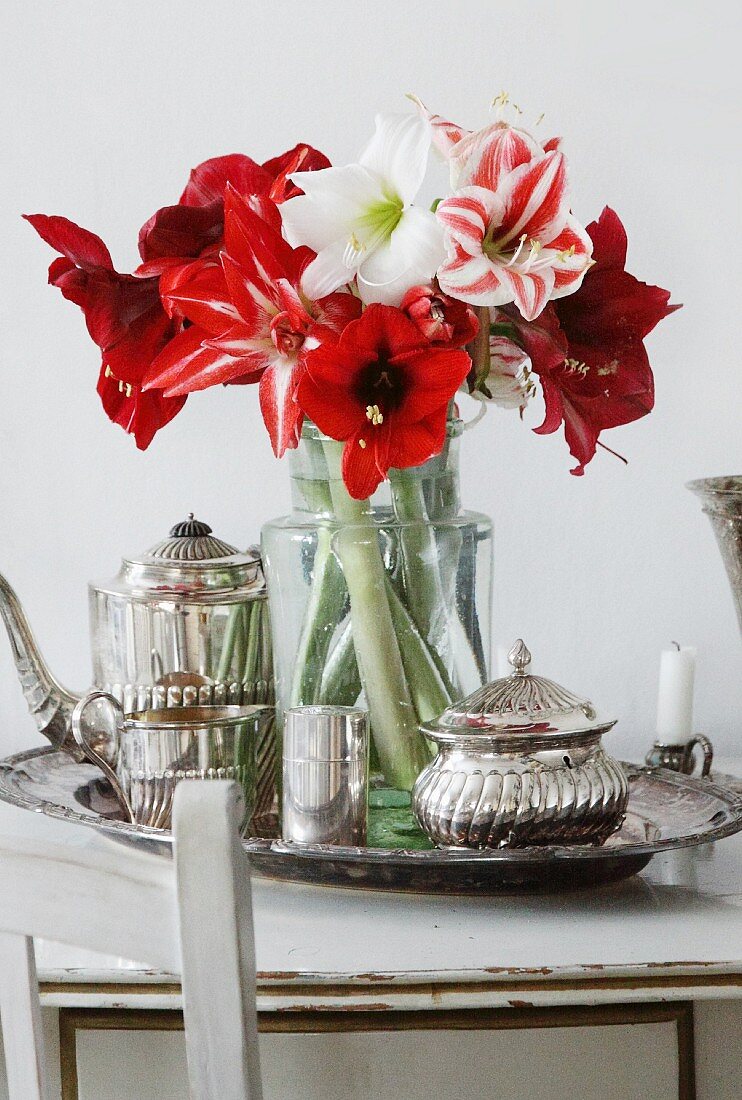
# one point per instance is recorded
(544, 855)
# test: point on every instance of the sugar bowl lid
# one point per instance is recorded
(518, 708)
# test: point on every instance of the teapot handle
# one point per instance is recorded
(708, 754)
(101, 741)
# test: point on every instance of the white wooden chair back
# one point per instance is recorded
(190, 916)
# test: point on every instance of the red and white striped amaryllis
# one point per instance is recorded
(249, 319)
(510, 234)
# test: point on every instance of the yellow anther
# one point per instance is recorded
(108, 372)
(574, 366)
(540, 119)
(501, 101)
(566, 254)
(374, 414)
(355, 244)
(362, 444)
(536, 246)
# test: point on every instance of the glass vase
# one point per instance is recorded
(383, 603)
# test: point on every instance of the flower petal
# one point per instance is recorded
(361, 467)
(187, 364)
(203, 298)
(485, 157)
(467, 215)
(574, 249)
(421, 441)
(412, 254)
(281, 412)
(398, 153)
(302, 158)
(474, 279)
(434, 375)
(333, 201)
(327, 272)
(86, 250)
(536, 201)
(336, 311)
(207, 182)
(529, 291)
(138, 413)
(445, 134)
(325, 400)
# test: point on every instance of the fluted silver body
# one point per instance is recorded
(563, 797)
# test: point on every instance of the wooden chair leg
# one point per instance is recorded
(217, 945)
(20, 1013)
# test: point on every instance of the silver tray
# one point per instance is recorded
(666, 810)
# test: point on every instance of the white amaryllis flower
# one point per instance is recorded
(360, 219)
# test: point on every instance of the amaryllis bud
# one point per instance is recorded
(441, 320)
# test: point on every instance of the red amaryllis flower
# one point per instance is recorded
(588, 348)
(194, 227)
(383, 390)
(442, 320)
(124, 317)
(250, 321)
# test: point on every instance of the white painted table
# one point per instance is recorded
(638, 952)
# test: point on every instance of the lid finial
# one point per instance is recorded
(520, 658)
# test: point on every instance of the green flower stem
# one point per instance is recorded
(234, 626)
(422, 578)
(430, 692)
(326, 602)
(400, 746)
(430, 560)
(341, 681)
(252, 651)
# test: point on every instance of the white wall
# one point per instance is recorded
(105, 106)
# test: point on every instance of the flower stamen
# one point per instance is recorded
(123, 387)
(375, 415)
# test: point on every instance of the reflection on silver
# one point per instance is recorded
(325, 775)
(145, 755)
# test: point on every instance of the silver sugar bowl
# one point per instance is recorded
(520, 762)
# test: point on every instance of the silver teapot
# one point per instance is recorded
(520, 762)
(183, 624)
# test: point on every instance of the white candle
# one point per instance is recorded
(675, 696)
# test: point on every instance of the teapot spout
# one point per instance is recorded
(50, 704)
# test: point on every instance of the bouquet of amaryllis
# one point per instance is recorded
(361, 315)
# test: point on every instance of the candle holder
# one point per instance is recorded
(680, 756)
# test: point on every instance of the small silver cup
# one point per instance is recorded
(144, 755)
(325, 775)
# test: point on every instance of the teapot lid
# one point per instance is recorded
(190, 540)
(190, 562)
(518, 707)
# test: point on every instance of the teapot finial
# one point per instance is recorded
(520, 658)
